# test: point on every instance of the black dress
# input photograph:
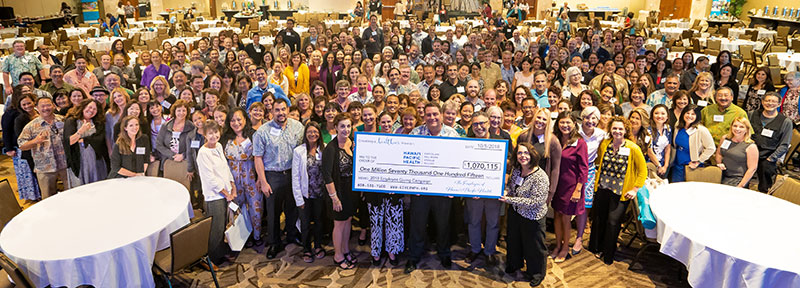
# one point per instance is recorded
(133, 161)
(337, 168)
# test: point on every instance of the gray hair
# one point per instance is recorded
(591, 110)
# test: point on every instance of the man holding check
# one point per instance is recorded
(421, 206)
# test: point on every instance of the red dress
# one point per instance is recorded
(574, 169)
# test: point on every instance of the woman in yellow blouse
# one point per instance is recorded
(297, 74)
(621, 171)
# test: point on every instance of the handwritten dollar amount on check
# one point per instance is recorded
(481, 165)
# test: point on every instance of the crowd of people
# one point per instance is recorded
(270, 128)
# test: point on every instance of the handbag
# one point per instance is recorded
(237, 233)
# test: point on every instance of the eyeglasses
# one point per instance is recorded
(479, 124)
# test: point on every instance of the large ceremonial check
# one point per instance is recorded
(426, 165)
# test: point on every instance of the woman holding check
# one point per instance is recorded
(337, 173)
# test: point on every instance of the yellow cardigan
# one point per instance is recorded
(636, 172)
(302, 79)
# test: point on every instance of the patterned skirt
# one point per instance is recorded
(27, 184)
(588, 189)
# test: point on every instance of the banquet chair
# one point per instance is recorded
(708, 174)
(786, 188)
(9, 267)
(793, 146)
(640, 234)
(188, 246)
(9, 208)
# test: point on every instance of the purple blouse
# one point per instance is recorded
(151, 72)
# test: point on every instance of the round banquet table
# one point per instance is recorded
(789, 60)
(103, 234)
(78, 31)
(672, 55)
(676, 23)
(736, 33)
(186, 40)
(732, 45)
(8, 42)
(99, 43)
(728, 236)
(214, 31)
(209, 23)
(672, 32)
(141, 23)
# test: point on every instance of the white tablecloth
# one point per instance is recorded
(675, 23)
(329, 23)
(99, 43)
(727, 236)
(185, 40)
(762, 33)
(210, 23)
(147, 33)
(612, 24)
(103, 234)
(141, 23)
(534, 31)
(733, 45)
(672, 32)
(10, 30)
(78, 31)
(8, 42)
(789, 60)
(471, 22)
(655, 42)
(216, 30)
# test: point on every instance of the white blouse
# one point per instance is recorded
(214, 172)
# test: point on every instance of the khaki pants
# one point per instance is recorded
(47, 182)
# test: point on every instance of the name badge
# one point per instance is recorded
(176, 134)
(761, 92)
(663, 80)
(703, 103)
(258, 49)
(767, 133)
(460, 89)
(647, 139)
(271, 90)
(166, 104)
(233, 206)
(565, 94)
(725, 144)
(719, 118)
(691, 131)
(527, 84)
(195, 144)
(509, 30)
(624, 151)
(246, 143)
(583, 79)
(59, 125)
(139, 150)
(106, 72)
(87, 75)
(553, 115)
(275, 131)
(518, 181)
(374, 33)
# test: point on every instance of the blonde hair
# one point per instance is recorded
(153, 94)
(696, 84)
(548, 130)
(743, 120)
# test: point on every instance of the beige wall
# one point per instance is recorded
(31, 8)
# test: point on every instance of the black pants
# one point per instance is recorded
(766, 172)
(311, 223)
(280, 201)
(421, 207)
(607, 209)
(525, 242)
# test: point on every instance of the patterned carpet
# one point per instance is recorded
(252, 269)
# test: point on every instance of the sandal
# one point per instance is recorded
(351, 258)
(319, 253)
(348, 264)
(307, 257)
